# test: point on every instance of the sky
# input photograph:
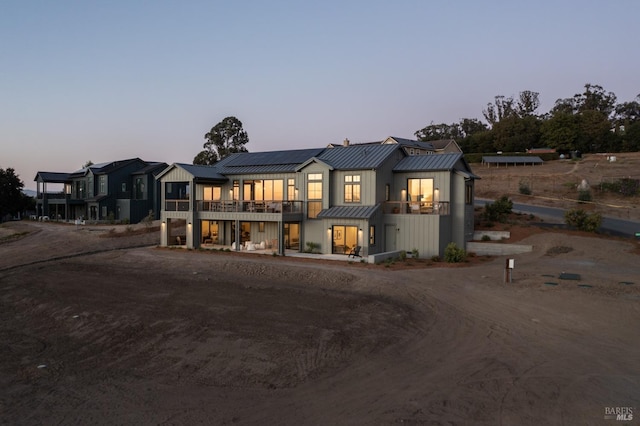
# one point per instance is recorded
(110, 80)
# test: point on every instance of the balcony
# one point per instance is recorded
(414, 207)
(177, 205)
(281, 207)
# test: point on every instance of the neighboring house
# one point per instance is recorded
(445, 146)
(333, 199)
(117, 190)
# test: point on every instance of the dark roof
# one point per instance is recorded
(203, 172)
(348, 212)
(356, 157)
(53, 177)
(269, 158)
(151, 167)
(428, 162)
(512, 159)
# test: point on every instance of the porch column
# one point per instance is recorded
(281, 247)
(165, 225)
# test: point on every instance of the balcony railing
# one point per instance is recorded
(414, 207)
(52, 195)
(251, 206)
(177, 205)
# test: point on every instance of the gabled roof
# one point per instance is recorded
(357, 157)
(348, 212)
(443, 144)
(52, 177)
(409, 143)
(433, 162)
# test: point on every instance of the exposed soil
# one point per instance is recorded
(104, 330)
(555, 183)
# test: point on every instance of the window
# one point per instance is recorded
(236, 190)
(352, 189)
(102, 184)
(212, 193)
(387, 192)
(314, 195)
(291, 189)
(263, 190)
(468, 194)
(123, 187)
(420, 190)
(372, 235)
(138, 189)
(90, 186)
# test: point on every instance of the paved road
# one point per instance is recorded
(610, 225)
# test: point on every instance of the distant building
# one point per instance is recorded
(541, 151)
(118, 190)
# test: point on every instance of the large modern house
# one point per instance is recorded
(380, 197)
(124, 190)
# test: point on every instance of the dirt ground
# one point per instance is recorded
(554, 183)
(105, 328)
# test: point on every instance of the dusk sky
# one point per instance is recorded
(102, 81)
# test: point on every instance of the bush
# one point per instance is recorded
(583, 221)
(403, 255)
(486, 238)
(415, 253)
(584, 195)
(312, 247)
(499, 210)
(454, 254)
(524, 188)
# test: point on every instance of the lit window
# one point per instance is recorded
(352, 189)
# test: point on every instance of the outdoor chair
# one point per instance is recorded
(355, 252)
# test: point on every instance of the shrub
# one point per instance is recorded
(312, 247)
(415, 253)
(524, 188)
(499, 210)
(454, 254)
(403, 255)
(486, 238)
(583, 221)
(435, 258)
(584, 195)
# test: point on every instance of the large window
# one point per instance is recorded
(352, 189)
(314, 195)
(344, 238)
(212, 193)
(420, 190)
(263, 190)
(138, 189)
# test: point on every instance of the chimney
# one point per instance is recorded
(346, 142)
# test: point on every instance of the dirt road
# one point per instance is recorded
(155, 336)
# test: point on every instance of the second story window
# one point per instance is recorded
(138, 189)
(291, 189)
(314, 195)
(102, 184)
(352, 189)
(212, 193)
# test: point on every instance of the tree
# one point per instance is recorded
(87, 164)
(561, 131)
(594, 98)
(226, 137)
(528, 103)
(434, 132)
(501, 108)
(11, 197)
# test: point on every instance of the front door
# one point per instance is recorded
(390, 237)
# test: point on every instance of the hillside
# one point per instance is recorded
(555, 183)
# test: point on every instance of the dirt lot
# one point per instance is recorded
(99, 329)
(555, 183)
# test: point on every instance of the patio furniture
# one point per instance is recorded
(355, 252)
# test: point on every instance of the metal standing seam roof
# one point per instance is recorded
(203, 172)
(355, 157)
(434, 162)
(53, 177)
(512, 159)
(348, 212)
